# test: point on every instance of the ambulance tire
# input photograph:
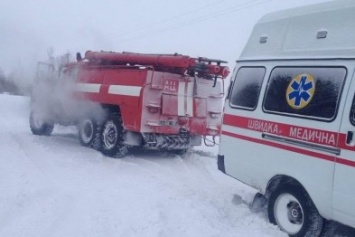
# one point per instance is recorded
(293, 211)
(89, 133)
(39, 126)
(112, 136)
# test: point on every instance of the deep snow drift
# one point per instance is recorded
(51, 186)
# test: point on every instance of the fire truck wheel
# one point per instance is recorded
(89, 134)
(39, 126)
(112, 136)
(180, 152)
(293, 211)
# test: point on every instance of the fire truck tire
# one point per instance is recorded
(39, 126)
(112, 136)
(293, 211)
(89, 133)
(180, 152)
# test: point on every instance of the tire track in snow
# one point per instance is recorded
(24, 184)
(55, 201)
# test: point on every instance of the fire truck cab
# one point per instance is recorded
(159, 102)
(288, 128)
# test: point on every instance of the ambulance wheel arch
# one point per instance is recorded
(291, 208)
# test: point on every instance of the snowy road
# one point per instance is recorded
(51, 186)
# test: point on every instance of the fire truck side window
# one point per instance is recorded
(246, 87)
(69, 73)
(309, 92)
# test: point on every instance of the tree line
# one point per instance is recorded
(8, 86)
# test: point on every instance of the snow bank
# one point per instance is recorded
(51, 186)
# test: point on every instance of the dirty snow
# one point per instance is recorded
(51, 186)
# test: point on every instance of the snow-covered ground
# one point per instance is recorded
(52, 186)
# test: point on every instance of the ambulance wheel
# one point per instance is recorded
(112, 136)
(293, 211)
(89, 133)
(39, 126)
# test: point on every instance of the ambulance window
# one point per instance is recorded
(311, 92)
(352, 113)
(246, 87)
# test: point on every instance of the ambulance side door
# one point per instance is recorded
(344, 176)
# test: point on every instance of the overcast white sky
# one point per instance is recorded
(208, 28)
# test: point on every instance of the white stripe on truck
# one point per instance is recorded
(189, 100)
(88, 87)
(181, 99)
(124, 90)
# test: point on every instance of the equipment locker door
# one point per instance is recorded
(344, 176)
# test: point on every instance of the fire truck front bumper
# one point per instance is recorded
(220, 163)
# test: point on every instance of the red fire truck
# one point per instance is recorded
(154, 101)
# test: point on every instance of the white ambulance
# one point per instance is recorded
(289, 123)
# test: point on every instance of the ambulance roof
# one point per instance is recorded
(325, 30)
